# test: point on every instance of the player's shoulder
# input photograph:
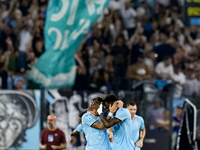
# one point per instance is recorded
(139, 117)
(79, 125)
(123, 110)
(87, 117)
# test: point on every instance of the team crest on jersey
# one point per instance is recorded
(89, 118)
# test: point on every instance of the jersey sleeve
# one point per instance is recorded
(88, 120)
(122, 114)
(79, 128)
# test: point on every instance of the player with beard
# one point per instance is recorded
(138, 127)
(52, 137)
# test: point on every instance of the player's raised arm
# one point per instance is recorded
(109, 123)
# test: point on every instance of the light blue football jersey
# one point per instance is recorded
(122, 131)
(137, 125)
(79, 127)
(96, 139)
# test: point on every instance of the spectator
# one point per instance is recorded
(159, 29)
(164, 49)
(163, 2)
(12, 55)
(139, 70)
(114, 5)
(25, 38)
(52, 137)
(24, 7)
(96, 80)
(30, 60)
(128, 17)
(150, 60)
(163, 124)
(176, 124)
(177, 119)
(142, 10)
(164, 69)
(20, 81)
(38, 47)
(138, 43)
(154, 114)
(4, 58)
(107, 82)
(175, 20)
(120, 55)
(81, 74)
(117, 29)
(13, 15)
(191, 85)
(179, 79)
(94, 64)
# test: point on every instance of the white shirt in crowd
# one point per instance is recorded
(178, 21)
(179, 78)
(128, 17)
(163, 70)
(115, 5)
(140, 12)
(25, 37)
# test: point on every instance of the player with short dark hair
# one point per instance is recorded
(138, 128)
(78, 129)
(95, 132)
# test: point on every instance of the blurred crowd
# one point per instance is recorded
(21, 40)
(132, 41)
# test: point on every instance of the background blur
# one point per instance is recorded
(146, 51)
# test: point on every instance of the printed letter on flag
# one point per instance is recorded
(66, 24)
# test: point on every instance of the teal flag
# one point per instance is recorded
(66, 24)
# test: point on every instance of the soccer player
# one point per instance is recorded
(138, 128)
(95, 132)
(52, 137)
(78, 129)
(120, 123)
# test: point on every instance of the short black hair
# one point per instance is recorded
(132, 103)
(110, 98)
(98, 100)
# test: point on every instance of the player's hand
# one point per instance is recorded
(140, 143)
(113, 108)
(100, 109)
(120, 104)
(43, 147)
(72, 140)
(54, 147)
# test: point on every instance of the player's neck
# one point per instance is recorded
(93, 113)
(132, 118)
